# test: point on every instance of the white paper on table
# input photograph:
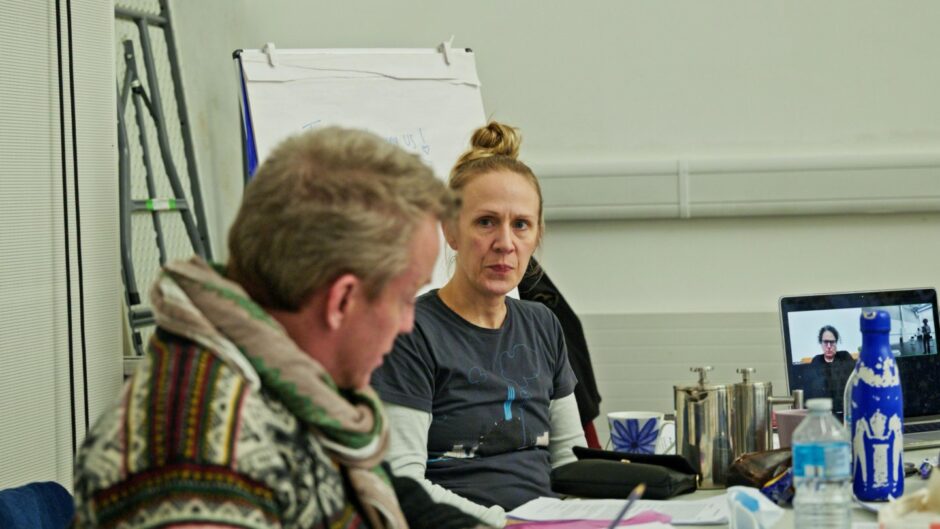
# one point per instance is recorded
(870, 506)
(709, 511)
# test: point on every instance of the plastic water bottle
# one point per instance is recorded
(822, 462)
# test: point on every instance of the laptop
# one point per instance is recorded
(814, 325)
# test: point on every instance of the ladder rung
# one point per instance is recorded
(160, 204)
(141, 318)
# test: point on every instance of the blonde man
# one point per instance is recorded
(253, 407)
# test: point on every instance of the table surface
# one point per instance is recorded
(859, 514)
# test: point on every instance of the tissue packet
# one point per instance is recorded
(748, 508)
(916, 510)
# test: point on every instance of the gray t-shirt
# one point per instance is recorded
(488, 391)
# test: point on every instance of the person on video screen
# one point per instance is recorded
(828, 340)
(925, 332)
(831, 369)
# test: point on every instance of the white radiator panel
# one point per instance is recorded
(638, 358)
(36, 393)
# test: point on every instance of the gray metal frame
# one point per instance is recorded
(131, 88)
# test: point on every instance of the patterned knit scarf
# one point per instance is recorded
(192, 300)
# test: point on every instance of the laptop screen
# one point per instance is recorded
(822, 341)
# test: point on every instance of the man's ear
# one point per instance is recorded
(450, 233)
(340, 299)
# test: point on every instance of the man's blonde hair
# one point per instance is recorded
(327, 203)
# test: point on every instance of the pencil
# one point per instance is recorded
(631, 499)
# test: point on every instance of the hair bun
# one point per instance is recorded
(495, 139)
(492, 140)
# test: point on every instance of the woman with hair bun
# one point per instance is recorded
(480, 395)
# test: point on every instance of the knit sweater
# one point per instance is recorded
(190, 441)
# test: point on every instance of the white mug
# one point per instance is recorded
(641, 432)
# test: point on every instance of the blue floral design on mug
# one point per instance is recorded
(634, 433)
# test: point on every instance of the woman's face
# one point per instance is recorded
(496, 231)
(828, 343)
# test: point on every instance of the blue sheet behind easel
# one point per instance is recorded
(251, 150)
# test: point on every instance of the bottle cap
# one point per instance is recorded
(819, 404)
(877, 321)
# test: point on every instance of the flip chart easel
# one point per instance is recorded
(427, 101)
(424, 100)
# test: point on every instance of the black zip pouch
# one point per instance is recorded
(608, 474)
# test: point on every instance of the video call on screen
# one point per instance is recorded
(823, 346)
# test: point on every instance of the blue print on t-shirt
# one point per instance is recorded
(476, 375)
(519, 367)
(507, 406)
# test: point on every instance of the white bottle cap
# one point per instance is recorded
(819, 404)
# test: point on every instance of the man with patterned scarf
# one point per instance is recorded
(253, 408)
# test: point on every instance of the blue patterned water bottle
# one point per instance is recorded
(877, 415)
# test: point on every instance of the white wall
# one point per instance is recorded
(621, 83)
(737, 264)
(627, 81)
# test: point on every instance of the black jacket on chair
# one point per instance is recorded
(536, 286)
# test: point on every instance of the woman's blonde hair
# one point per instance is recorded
(327, 203)
(494, 147)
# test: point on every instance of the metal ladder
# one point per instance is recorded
(147, 104)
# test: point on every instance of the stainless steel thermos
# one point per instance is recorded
(716, 423)
(703, 428)
(750, 418)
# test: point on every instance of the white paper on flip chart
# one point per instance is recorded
(709, 511)
(410, 97)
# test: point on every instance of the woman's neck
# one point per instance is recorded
(470, 304)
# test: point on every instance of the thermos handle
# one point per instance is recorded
(795, 400)
(746, 373)
(702, 373)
